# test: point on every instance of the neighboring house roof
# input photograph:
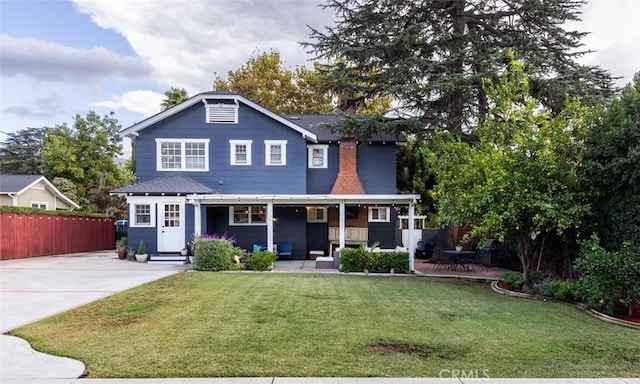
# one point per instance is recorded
(215, 95)
(18, 184)
(168, 185)
(319, 125)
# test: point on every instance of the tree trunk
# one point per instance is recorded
(525, 255)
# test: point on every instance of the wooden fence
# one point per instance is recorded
(29, 235)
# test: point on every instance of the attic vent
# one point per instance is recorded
(222, 113)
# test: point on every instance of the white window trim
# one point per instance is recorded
(313, 218)
(267, 151)
(325, 155)
(132, 212)
(372, 220)
(232, 151)
(208, 116)
(39, 203)
(249, 223)
(183, 155)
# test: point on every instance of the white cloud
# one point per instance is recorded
(145, 102)
(188, 43)
(53, 62)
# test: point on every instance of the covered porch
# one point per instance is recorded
(341, 202)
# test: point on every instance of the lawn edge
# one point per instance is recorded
(598, 315)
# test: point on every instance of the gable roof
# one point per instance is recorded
(17, 184)
(168, 185)
(216, 95)
(318, 124)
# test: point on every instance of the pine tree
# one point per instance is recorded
(432, 56)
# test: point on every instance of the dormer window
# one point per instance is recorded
(222, 112)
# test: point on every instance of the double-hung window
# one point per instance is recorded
(317, 156)
(275, 152)
(240, 151)
(379, 214)
(142, 215)
(247, 215)
(182, 155)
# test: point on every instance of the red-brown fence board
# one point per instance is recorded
(29, 235)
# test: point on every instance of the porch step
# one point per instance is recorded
(176, 259)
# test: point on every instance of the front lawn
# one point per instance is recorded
(269, 324)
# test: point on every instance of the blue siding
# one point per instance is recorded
(148, 235)
(321, 180)
(377, 168)
(223, 177)
(384, 233)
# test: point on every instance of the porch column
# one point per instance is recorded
(197, 218)
(412, 244)
(341, 231)
(270, 226)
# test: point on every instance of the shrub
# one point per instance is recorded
(513, 279)
(261, 260)
(356, 259)
(359, 260)
(213, 254)
(565, 290)
(536, 277)
(609, 277)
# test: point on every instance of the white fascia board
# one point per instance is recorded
(219, 199)
(203, 97)
(53, 189)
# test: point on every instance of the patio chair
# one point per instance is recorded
(285, 249)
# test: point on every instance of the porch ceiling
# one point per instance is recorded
(222, 199)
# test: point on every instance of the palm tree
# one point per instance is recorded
(174, 96)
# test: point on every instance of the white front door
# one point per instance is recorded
(171, 226)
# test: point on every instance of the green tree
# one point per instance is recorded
(174, 96)
(610, 167)
(84, 153)
(263, 79)
(520, 178)
(432, 56)
(67, 187)
(20, 152)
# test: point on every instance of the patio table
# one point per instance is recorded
(460, 259)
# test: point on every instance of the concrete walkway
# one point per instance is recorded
(36, 288)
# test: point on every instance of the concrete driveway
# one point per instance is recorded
(35, 288)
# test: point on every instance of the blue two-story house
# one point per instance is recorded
(220, 163)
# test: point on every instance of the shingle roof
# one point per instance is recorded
(16, 183)
(318, 125)
(168, 185)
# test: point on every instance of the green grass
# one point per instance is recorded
(268, 324)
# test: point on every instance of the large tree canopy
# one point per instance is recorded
(263, 79)
(610, 165)
(84, 153)
(431, 57)
(20, 152)
(520, 178)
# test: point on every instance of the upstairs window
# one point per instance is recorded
(222, 112)
(318, 156)
(275, 152)
(379, 214)
(182, 154)
(240, 152)
(40, 204)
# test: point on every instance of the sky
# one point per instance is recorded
(59, 58)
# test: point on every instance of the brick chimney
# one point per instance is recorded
(348, 182)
